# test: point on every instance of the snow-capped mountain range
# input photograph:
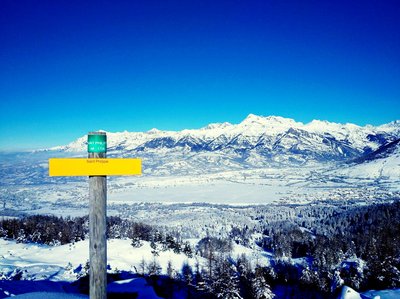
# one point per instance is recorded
(255, 161)
(256, 141)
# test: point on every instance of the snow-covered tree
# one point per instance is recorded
(225, 282)
(154, 268)
(142, 266)
(337, 281)
(170, 269)
(261, 289)
(187, 273)
(136, 242)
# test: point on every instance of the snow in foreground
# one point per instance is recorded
(134, 285)
(60, 263)
(349, 293)
(41, 295)
(51, 266)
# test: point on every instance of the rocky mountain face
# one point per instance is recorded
(255, 142)
(385, 151)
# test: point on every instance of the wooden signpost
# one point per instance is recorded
(97, 167)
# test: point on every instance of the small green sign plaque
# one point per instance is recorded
(97, 143)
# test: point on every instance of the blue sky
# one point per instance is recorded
(69, 67)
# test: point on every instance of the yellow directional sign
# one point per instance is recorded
(94, 166)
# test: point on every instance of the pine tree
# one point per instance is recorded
(136, 243)
(261, 290)
(170, 280)
(142, 266)
(154, 250)
(187, 273)
(154, 268)
(187, 250)
(187, 276)
(337, 281)
(309, 276)
(198, 278)
(170, 269)
(226, 281)
(245, 275)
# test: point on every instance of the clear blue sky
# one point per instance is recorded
(69, 67)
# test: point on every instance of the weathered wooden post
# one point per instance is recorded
(97, 167)
(97, 147)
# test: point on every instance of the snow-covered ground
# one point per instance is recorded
(379, 169)
(48, 264)
(349, 293)
(49, 295)
(51, 265)
(62, 263)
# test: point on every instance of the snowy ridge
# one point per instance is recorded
(269, 148)
(385, 151)
(256, 141)
(382, 164)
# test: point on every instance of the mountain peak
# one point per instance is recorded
(214, 126)
(254, 124)
(153, 131)
(252, 118)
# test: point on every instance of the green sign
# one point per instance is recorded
(97, 143)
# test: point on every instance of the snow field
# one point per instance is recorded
(51, 262)
(349, 293)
